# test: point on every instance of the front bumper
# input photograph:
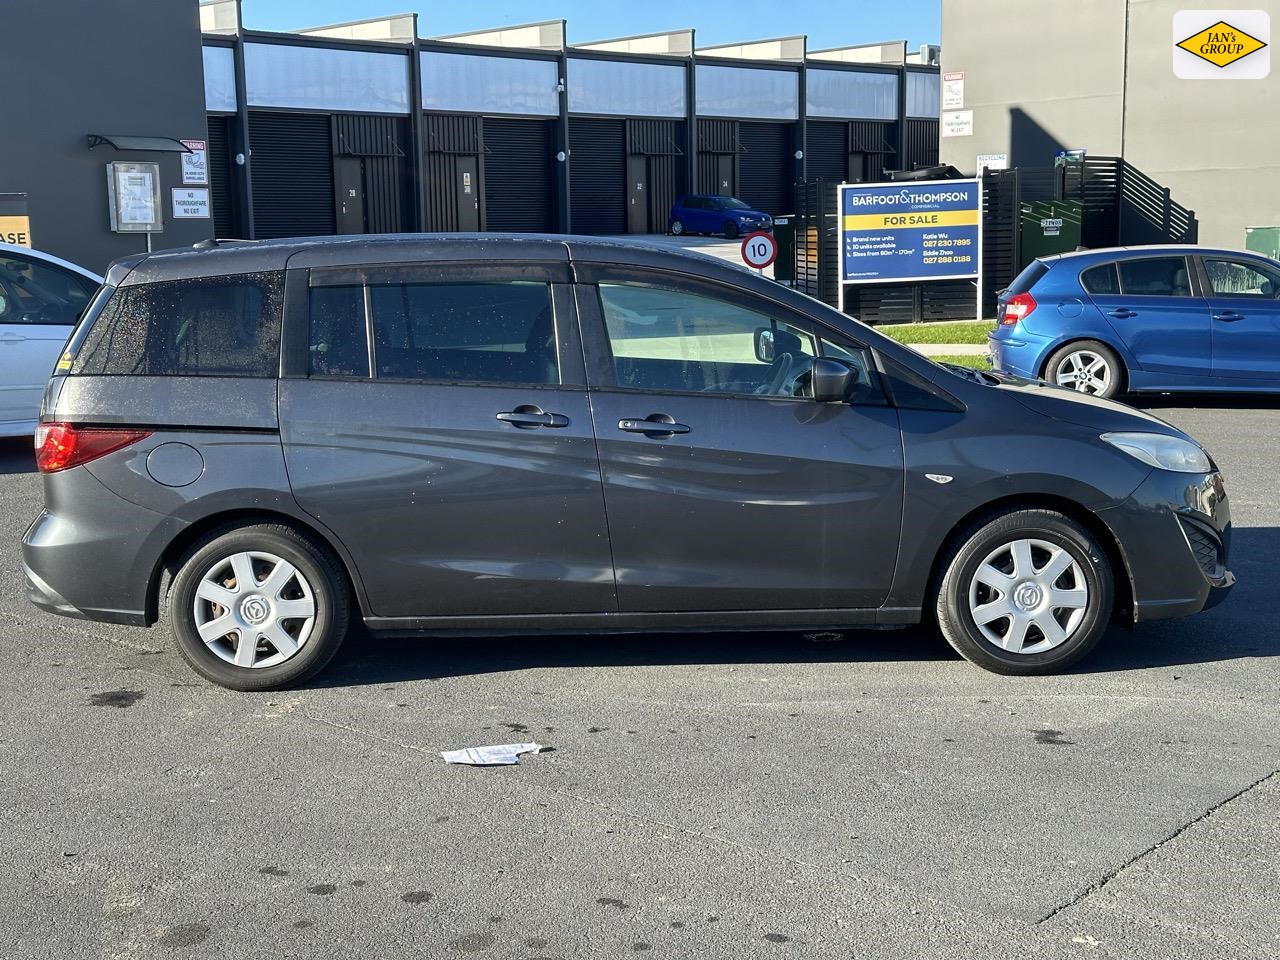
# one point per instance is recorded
(1175, 534)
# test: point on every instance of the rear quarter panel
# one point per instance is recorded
(1064, 312)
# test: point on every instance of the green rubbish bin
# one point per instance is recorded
(1263, 240)
(784, 235)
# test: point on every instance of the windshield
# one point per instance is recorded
(731, 203)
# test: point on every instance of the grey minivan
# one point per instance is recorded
(507, 434)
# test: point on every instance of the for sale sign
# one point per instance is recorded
(921, 231)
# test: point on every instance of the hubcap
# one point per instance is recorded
(1028, 596)
(254, 609)
(1085, 372)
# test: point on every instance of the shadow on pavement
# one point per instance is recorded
(1206, 401)
(17, 455)
(1239, 627)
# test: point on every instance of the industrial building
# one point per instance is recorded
(369, 127)
(1098, 76)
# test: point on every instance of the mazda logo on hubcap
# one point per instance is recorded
(1027, 596)
(255, 609)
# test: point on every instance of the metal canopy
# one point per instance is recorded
(146, 144)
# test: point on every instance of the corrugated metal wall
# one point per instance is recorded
(716, 139)
(662, 142)
(766, 178)
(597, 175)
(448, 136)
(221, 185)
(292, 166)
(519, 175)
(383, 145)
(921, 144)
(876, 139)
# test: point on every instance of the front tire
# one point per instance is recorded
(731, 231)
(258, 607)
(1029, 592)
(1087, 366)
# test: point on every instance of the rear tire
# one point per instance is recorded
(731, 231)
(1046, 571)
(1087, 366)
(677, 228)
(275, 632)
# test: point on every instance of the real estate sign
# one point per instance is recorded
(889, 233)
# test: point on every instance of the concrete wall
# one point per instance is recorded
(1214, 143)
(1042, 76)
(1039, 77)
(126, 67)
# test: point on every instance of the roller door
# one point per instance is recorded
(519, 185)
(597, 175)
(826, 151)
(766, 172)
(292, 169)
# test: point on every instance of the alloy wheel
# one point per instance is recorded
(1085, 372)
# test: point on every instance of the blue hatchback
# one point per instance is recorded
(712, 213)
(1143, 319)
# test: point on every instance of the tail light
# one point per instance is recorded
(1016, 308)
(60, 446)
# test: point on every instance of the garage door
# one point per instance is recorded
(766, 171)
(597, 175)
(292, 169)
(826, 151)
(519, 188)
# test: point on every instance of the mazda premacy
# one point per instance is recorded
(497, 434)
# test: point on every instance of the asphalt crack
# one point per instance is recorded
(1110, 875)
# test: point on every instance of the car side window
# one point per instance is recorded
(1155, 277)
(201, 327)
(1101, 280)
(670, 340)
(41, 293)
(339, 343)
(693, 203)
(502, 332)
(1232, 278)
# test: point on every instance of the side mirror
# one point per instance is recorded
(831, 380)
(766, 348)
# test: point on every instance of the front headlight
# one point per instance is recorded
(1162, 452)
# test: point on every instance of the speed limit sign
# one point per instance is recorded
(759, 249)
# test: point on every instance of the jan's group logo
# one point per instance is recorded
(1221, 44)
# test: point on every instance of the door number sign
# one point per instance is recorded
(759, 249)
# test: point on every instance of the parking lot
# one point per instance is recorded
(723, 796)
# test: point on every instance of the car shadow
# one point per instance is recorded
(17, 455)
(1240, 627)
(1211, 401)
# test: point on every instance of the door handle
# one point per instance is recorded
(1229, 317)
(1122, 313)
(656, 426)
(528, 416)
(11, 338)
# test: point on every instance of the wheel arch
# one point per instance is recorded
(1121, 574)
(166, 566)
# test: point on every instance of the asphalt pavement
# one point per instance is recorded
(721, 796)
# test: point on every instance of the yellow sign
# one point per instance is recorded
(923, 219)
(15, 230)
(1221, 44)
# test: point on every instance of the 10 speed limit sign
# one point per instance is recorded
(759, 249)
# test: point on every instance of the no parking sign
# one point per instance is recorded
(759, 249)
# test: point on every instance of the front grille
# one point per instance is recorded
(1206, 546)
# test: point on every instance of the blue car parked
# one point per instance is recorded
(1143, 319)
(711, 213)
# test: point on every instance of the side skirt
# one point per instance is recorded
(710, 620)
